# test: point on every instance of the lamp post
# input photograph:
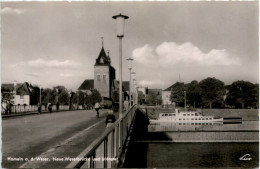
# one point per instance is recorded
(133, 74)
(185, 99)
(136, 92)
(120, 23)
(130, 79)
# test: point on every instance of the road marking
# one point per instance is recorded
(33, 164)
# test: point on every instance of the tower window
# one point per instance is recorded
(98, 77)
(104, 77)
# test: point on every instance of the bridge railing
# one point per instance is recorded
(19, 109)
(105, 151)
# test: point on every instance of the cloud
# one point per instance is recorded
(66, 75)
(47, 63)
(170, 53)
(8, 10)
(32, 74)
(154, 82)
(145, 83)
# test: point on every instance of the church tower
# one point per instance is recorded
(104, 74)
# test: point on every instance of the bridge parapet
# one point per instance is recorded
(106, 150)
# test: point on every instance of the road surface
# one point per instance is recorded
(48, 135)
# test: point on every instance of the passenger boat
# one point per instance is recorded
(185, 116)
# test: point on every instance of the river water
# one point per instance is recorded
(194, 145)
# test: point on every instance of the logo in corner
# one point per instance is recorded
(246, 157)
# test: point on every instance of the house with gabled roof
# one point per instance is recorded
(166, 95)
(23, 93)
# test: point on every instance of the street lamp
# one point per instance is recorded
(133, 76)
(185, 99)
(120, 24)
(136, 92)
(130, 79)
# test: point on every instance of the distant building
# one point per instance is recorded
(143, 89)
(166, 96)
(23, 93)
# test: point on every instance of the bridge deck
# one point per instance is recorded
(55, 151)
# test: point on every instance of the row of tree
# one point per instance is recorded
(212, 92)
(60, 95)
(209, 92)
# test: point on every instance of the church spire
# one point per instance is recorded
(108, 56)
(103, 59)
(102, 41)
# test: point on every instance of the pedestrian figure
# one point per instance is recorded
(8, 107)
(97, 107)
(110, 118)
(126, 104)
(4, 107)
(49, 107)
(58, 106)
(39, 107)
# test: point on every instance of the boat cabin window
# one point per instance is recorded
(184, 114)
(192, 114)
(188, 114)
(196, 114)
(179, 119)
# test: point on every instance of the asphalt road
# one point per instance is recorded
(41, 135)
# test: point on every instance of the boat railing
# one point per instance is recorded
(105, 151)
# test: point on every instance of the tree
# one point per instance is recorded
(141, 97)
(46, 95)
(8, 97)
(63, 97)
(95, 97)
(153, 98)
(82, 97)
(193, 93)
(242, 94)
(115, 96)
(212, 91)
(177, 93)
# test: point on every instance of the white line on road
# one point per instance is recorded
(33, 164)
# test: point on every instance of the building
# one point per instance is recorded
(104, 74)
(104, 78)
(22, 93)
(166, 94)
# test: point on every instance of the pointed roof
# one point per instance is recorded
(102, 59)
(87, 85)
(21, 88)
(172, 87)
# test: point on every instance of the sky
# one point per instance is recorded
(56, 43)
